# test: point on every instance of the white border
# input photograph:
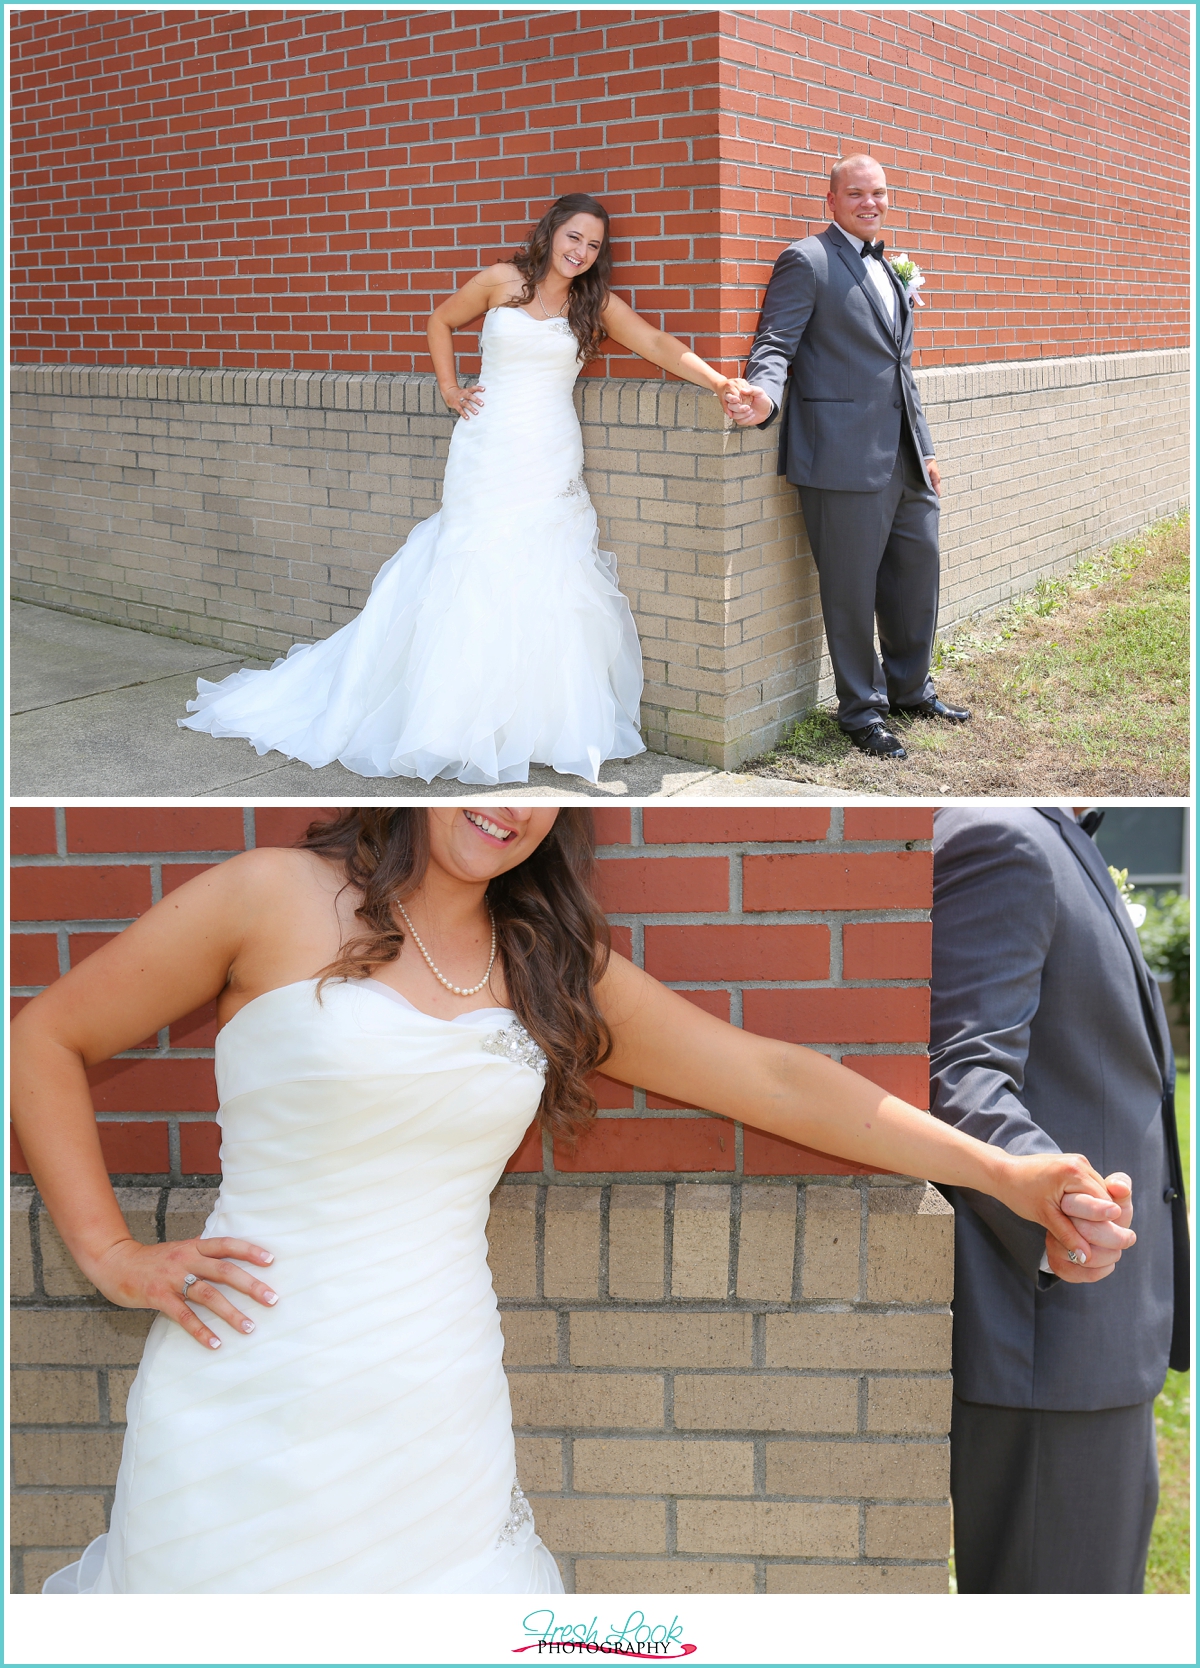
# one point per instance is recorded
(817, 1628)
(476, 1629)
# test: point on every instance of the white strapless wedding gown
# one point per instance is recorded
(360, 1440)
(497, 636)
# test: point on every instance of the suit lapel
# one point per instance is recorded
(1096, 868)
(856, 267)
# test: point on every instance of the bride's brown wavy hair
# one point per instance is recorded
(550, 931)
(588, 292)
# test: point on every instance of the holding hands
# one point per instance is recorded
(1086, 1216)
(748, 406)
(745, 403)
(1106, 1228)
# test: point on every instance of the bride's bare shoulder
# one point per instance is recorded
(501, 281)
(272, 878)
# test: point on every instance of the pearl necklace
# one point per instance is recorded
(542, 305)
(432, 966)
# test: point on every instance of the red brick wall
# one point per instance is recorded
(1030, 156)
(290, 190)
(805, 924)
(295, 190)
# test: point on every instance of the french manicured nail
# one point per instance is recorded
(270, 1297)
(247, 1326)
(267, 1257)
(214, 1343)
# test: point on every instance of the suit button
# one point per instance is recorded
(1170, 1196)
(895, 405)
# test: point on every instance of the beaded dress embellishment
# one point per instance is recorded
(519, 1514)
(574, 489)
(515, 1044)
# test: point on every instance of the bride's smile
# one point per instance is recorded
(487, 827)
(473, 846)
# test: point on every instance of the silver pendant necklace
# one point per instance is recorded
(458, 991)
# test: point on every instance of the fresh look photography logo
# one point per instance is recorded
(637, 1636)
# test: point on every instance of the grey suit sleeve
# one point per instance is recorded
(923, 437)
(786, 309)
(994, 910)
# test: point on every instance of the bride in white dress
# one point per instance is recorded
(398, 998)
(497, 636)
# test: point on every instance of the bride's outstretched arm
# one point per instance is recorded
(664, 1043)
(648, 342)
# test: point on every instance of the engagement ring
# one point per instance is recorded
(1072, 1256)
(189, 1280)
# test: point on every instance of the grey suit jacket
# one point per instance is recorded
(1048, 1034)
(824, 326)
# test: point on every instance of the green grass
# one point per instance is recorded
(1167, 1567)
(1183, 1118)
(1115, 681)
(1112, 566)
(1080, 687)
(816, 738)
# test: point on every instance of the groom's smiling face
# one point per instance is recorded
(858, 202)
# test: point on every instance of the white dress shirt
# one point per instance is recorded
(876, 276)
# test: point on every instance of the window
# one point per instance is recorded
(1151, 842)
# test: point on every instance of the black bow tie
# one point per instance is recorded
(874, 250)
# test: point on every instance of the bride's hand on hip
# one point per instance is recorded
(464, 402)
(140, 1276)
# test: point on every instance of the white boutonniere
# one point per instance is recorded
(1137, 911)
(911, 278)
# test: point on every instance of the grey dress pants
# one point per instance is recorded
(877, 563)
(1050, 1502)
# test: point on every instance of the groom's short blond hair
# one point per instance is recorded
(844, 162)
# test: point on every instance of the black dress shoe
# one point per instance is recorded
(877, 741)
(933, 708)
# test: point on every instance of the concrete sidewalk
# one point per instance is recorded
(93, 717)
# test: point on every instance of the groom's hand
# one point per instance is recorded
(745, 403)
(1106, 1234)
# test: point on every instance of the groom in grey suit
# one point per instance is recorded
(836, 328)
(1048, 1034)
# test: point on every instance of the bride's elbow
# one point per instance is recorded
(43, 1033)
(27, 1025)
